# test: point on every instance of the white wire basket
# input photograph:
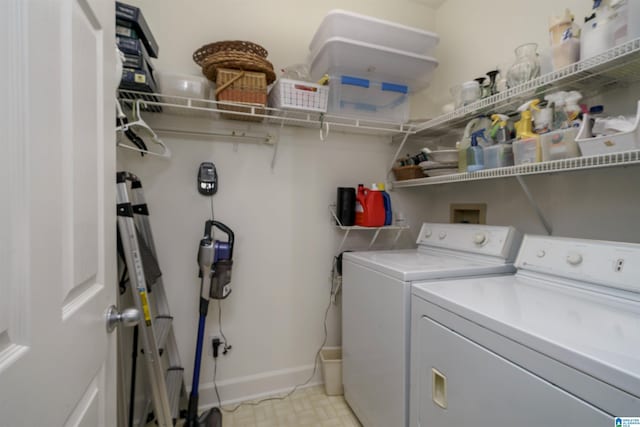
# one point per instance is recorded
(299, 95)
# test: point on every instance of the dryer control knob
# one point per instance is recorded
(427, 233)
(479, 238)
(574, 259)
(442, 235)
(541, 253)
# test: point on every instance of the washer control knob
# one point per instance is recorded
(479, 238)
(442, 235)
(541, 253)
(427, 233)
(574, 259)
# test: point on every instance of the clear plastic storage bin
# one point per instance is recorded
(559, 144)
(526, 151)
(498, 156)
(339, 55)
(341, 23)
(368, 99)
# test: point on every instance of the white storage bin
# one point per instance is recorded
(623, 141)
(331, 360)
(368, 99)
(341, 55)
(559, 144)
(526, 151)
(299, 95)
(498, 156)
(185, 85)
(340, 23)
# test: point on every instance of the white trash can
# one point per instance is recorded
(331, 359)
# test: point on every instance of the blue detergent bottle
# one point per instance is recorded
(388, 215)
(475, 155)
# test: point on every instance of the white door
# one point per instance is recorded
(57, 213)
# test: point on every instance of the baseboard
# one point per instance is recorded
(258, 386)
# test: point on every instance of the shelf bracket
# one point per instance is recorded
(395, 240)
(534, 205)
(375, 237)
(395, 156)
(344, 239)
(276, 142)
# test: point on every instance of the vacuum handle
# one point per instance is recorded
(229, 233)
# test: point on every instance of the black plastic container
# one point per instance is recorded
(346, 206)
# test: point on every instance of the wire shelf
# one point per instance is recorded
(626, 158)
(619, 65)
(179, 105)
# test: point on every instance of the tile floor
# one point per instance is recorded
(306, 407)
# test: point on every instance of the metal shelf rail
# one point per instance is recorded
(619, 65)
(578, 163)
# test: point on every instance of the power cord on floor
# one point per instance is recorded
(295, 388)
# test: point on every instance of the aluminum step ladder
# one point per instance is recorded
(163, 380)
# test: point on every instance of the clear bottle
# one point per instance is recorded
(475, 155)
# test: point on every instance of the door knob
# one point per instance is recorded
(128, 317)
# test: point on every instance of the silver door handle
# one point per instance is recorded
(128, 317)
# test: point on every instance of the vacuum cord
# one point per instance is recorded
(295, 388)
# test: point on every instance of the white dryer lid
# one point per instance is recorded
(413, 264)
(594, 332)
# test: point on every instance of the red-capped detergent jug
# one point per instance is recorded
(369, 207)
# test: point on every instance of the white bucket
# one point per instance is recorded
(331, 359)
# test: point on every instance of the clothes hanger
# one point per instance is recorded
(122, 123)
(139, 124)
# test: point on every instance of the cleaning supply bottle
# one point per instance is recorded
(500, 132)
(475, 157)
(524, 127)
(527, 147)
(369, 207)
(573, 109)
(558, 100)
(360, 204)
(388, 215)
(374, 212)
(464, 144)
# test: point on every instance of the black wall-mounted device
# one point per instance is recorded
(207, 179)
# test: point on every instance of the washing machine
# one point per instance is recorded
(376, 309)
(556, 344)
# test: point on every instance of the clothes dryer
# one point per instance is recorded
(555, 344)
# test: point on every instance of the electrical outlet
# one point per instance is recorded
(618, 265)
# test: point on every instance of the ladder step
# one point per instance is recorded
(161, 327)
(174, 387)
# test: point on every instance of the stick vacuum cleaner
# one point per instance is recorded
(215, 259)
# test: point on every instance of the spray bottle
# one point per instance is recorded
(464, 144)
(475, 156)
(527, 148)
(558, 100)
(573, 109)
(500, 132)
(524, 126)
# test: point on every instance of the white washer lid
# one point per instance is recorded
(412, 264)
(596, 333)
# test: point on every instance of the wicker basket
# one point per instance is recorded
(249, 88)
(403, 173)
